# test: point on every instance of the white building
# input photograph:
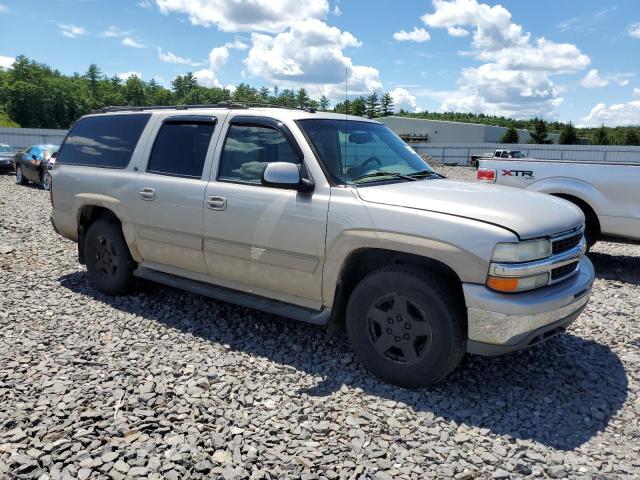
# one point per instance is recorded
(439, 131)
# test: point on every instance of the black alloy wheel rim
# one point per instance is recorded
(106, 258)
(399, 329)
(45, 181)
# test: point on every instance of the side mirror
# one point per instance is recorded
(285, 175)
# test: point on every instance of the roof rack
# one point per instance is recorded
(228, 105)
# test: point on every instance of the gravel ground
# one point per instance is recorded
(166, 384)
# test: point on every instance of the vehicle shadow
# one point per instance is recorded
(560, 394)
(623, 268)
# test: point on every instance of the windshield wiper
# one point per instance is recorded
(380, 173)
(425, 173)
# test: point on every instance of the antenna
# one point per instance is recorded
(346, 122)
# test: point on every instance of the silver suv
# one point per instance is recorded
(322, 218)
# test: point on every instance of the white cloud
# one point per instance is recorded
(636, 92)
(402, 99)
(310, 54)
(3, 8)
(218, 57)
(130, 42)
(145, 4)
(6, 62)
(620, 114)
(457, 31)
(125, 75)
(253, 15)
(415, 35)
(114, 32)
(516, 79)
(634, 30)
(169, 57)
(594, 80)
(72, 31)
(336, 11)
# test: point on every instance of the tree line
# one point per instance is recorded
(539, 129)
(34, 95)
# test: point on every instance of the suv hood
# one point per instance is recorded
(529, 214)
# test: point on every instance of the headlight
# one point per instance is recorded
(522, 251)
(517, 284)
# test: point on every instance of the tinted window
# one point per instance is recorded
(248, 150)
(356, 152)
(103, 141)
(180, 149)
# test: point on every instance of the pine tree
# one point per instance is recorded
(539, 132)
(302, 98)
(263, 93)
(568, 135)
(631, 137)
(93, 75)
(372, 108)
(600, 136)
(324, 103)
(510, 136)
(386, 105)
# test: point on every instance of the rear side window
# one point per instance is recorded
(103, 141)
(180, 149)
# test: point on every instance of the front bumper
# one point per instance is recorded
(6, 166)
(500, 323)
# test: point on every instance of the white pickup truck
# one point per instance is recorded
(607, 193)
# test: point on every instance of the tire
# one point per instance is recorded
(20, 180)
(46, 181)
(107, 257)
(420, 325)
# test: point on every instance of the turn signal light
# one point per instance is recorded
(517, 284)
(486, 175)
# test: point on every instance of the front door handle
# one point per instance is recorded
(148, 193)
(216, 203)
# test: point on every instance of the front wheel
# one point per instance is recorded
(20, 180)
(405, 327)
(108, 259)
(46, 181)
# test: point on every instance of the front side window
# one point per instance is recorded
(180, 149)
(248, 149)
(5, 149)
(356, 152)
(103, 140)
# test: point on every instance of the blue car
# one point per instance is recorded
(33, 165)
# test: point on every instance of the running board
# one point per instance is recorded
(233, 296)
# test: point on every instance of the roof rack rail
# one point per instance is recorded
(229, 105)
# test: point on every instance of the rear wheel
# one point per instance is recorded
(405, 328)
(20, 180)
(108, 259)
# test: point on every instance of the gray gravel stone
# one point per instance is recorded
(172, 385)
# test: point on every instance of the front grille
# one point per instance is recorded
(560, 272)
(564, 244)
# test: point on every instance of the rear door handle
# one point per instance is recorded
(216, 203)
(148, 193)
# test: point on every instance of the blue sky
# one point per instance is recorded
(569, 60)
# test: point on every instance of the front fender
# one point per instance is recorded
(466, 265)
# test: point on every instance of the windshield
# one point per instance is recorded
(356, 153)
(5, 149)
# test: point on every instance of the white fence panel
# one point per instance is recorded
(23, 138)
(460, 153)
